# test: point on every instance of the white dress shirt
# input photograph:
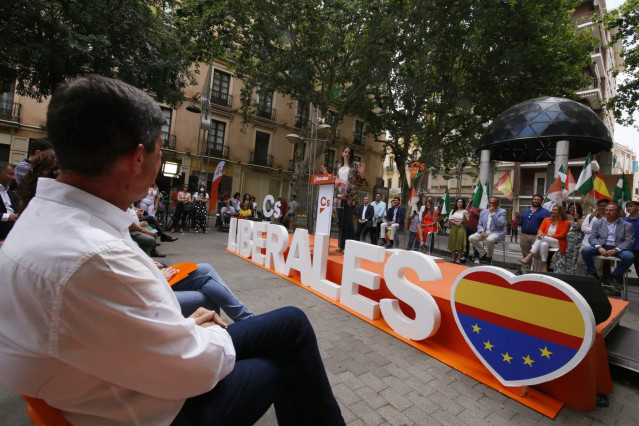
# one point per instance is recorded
(89, 324)
(7, 203)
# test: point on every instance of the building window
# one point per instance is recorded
(329, 160)
(540, 184)
(301, 116)
(220, 90)
(265, 106)
(167, 138)
(216, 146)
(260, 156)
(330, 117)
(358, 133)
(9, 110)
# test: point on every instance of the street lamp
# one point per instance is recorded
(318, 133)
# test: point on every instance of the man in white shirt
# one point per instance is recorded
(380, 211)
(89, 324)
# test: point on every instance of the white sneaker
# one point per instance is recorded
(476, 262)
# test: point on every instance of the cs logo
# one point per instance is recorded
(324, 203)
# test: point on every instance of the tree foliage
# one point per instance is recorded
(46, 41)
(624, 23)
(325, 53)
(459, 63)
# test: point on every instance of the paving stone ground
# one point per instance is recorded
(377, 379)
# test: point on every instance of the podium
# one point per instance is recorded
(326, 184)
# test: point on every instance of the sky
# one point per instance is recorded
(628, 136)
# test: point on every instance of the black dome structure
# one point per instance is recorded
(530, 130)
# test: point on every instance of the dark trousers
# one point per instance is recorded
(278, 362)
(361, 227)
(153, 224)
(346, 228)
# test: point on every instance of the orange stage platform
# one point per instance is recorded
(576, 389)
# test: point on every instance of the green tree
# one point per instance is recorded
(624, 23)
(321, 52)
(46, 41)
(459, 63)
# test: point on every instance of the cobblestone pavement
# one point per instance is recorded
(377, 379)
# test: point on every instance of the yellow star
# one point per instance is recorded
(476, 328)
(488, 346)
(545, 352)
(507, 357)
(527, 360)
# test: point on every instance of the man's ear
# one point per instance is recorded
(137, 159)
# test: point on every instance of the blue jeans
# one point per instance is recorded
(412, 241)
(205, 280)
(626, 256)
(277, 362)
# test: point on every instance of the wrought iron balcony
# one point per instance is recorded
(266, 112)
(169, 141)
(221, 98)
(10, 111)
(261, 159)
(218, 151)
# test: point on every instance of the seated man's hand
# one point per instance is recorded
(611, 252)
(205, 318)
(483, 235)
(13, 217)
(169, 272)
(144, 223)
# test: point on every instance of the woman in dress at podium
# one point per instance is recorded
(350, 176)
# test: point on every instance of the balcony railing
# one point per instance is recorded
(10, 111)
(291, 165)
(261, 159)
(266, 112)
(389, 168)
(221, 98)
(169, 141)
(218, 151)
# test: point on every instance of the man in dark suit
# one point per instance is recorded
(365, 215)
(610, 237)
(8, 200)
(395, 218)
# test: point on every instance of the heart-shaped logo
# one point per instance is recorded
(525, 329)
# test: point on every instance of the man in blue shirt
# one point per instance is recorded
(529, 222)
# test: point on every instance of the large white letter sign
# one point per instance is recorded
(353, 276)
(276, 244)
(246, 237)
(268, 202)
(232, 241)
(259, 243)
(427, 315)
(320, 257)
(299, 256)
